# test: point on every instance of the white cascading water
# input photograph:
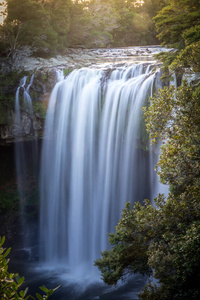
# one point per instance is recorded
(17, 102)
(27, 98)
(90, 162)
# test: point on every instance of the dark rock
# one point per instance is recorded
(22, 254)
(26, 124)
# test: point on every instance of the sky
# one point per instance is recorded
(2, 8)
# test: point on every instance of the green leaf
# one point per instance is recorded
(39, 296)
(44, 289)
(2, 240)
(22, 294)
(19, 280)
(6, 253)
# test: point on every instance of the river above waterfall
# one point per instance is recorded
(77, 57)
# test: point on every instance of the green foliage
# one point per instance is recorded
(42, 25)
(10, 283)
(25, 22)
(9, 201)
(80, 24)
(59, 23)
(67, 71)
(167, 58)
(129, 255)
(8, 85)
(48, 27)
(135, 23)
(91, 24)
(174, 118)
(164, 240)
(178, 26)
(152, 7)
(189, 57)
(40, 108)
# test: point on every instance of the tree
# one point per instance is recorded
(165, 237)
(59, 23)
(32, 20)
(150, 9)
(174, 20)
(135, 22)
(102, 25)
(91, 24)
(151, 240)
(80, 23)
(111, 23)
(178, 27)
(41, 25)
(129, 251)
(24, 25)
(173, 117)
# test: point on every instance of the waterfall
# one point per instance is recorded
(27, 98)
(27, 103)
(91, 163)
(25, 152)
(17, 103)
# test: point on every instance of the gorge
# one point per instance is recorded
(95, 157)
(99, 181)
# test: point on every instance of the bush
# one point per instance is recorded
(10, 283)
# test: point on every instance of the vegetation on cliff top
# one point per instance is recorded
(178, 25)
(47, 27)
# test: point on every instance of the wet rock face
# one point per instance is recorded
(31, 123)
(31, 127)
(5, 133)
(26, 124)
(44, 81)
(79, 57)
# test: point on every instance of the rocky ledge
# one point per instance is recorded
(45, 77)
(77, 57)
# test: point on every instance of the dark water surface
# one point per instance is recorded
(75, 289)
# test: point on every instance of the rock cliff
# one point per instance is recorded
(44, 71)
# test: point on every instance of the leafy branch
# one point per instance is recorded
(10, 283)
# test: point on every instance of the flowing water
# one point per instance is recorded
(92, 162)
(26, 154)
(95, 157)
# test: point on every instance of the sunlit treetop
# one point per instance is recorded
(133, 2)
(2, 12)
(139, 2)
(53, 25)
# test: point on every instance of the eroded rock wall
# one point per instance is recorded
(32, 123)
